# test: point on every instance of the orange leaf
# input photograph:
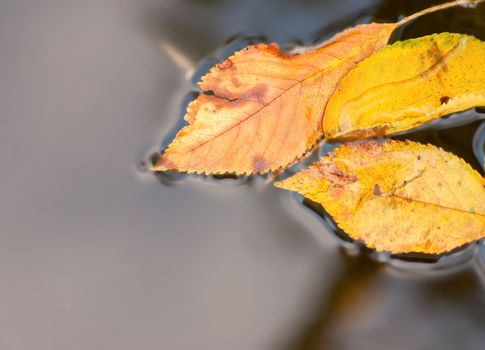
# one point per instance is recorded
(397, 196)
(261, 109)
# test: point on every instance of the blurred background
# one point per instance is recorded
(97, 254)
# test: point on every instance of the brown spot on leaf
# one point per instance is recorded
(376, 131)
(222, 98)
(235, 82)
(377, 190)
(335, 175)
(444, 100)
(225, 65)
(259, 164)
(336, 191)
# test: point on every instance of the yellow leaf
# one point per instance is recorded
(261, 109)
(407, 84)
(397, 196)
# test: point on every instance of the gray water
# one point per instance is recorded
(95, 254)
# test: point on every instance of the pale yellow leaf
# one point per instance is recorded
(397, 196)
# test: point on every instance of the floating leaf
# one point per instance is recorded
(407, 84)
(261, 109)
(397, 196)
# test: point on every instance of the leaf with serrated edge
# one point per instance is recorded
(407, 84)
(397, 196)
(261, 109)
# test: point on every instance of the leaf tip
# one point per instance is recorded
(163, 164)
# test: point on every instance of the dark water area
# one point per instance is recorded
(96, 253)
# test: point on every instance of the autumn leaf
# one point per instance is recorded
(397, 196)
(407, 84)
(261, 109)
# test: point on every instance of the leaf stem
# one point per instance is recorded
(468, 3)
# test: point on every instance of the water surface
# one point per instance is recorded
(95, 254)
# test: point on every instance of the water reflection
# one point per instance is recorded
(354, 274)
(479, 144)
(381, 295)
(456, 20)
(94, 255)
(452, 133)
(458, 140)
(374, 305)
(377, 300)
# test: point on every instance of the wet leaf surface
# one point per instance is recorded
(397, 196)
(261, 109)
(407, 84)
